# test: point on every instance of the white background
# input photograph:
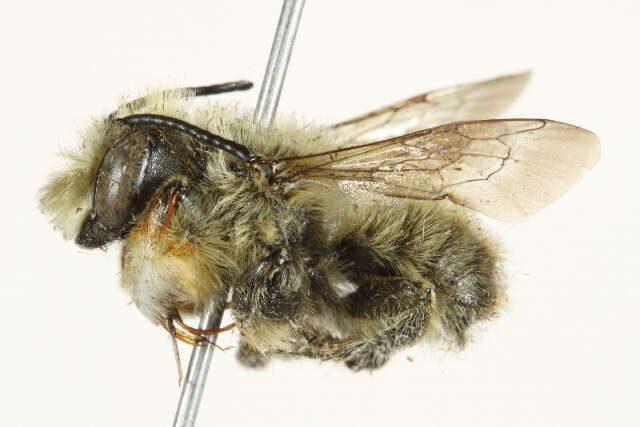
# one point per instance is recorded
(565, 350)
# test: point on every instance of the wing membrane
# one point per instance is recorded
(506, 169)
(474, 101)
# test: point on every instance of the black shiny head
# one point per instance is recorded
(133, 168)
(141, 161)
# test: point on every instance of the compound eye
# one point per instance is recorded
(119, 181)
(131, 171)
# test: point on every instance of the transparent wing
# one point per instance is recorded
(506, 169)
(474, 101)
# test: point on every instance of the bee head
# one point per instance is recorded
(133, 167)
(98, 199)
(123, 159)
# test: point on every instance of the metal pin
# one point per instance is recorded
(278, 61)
(196, 377)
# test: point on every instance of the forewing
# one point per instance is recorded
(474, 101)
(506, 169)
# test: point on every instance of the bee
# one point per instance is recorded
(344, 242)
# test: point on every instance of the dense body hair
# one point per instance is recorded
(311, 272)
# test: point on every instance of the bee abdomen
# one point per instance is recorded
(430, 247)
(467, 285)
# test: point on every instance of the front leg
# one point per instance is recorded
(273, 289)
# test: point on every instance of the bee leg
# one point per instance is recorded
(250, 357)
(195, 331)
(174, 345)
(271, 290)
(374, 353)
(400, 305)
(384, 297)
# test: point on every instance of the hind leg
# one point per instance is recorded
(401, 306)
(396, 303)
(374, 354)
